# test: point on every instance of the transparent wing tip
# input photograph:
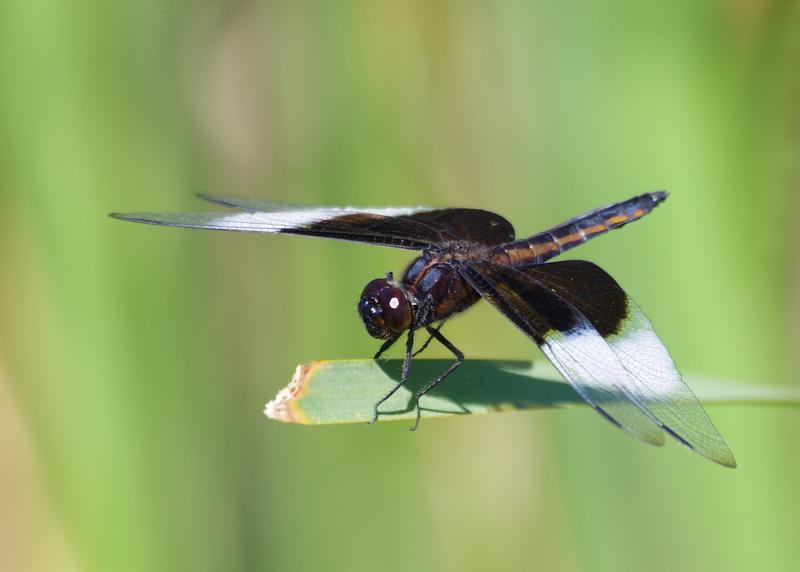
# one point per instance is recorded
(221, 201)
(718, 451)
(136, 217)
(722, 456)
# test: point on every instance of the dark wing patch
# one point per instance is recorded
(589, 289)
(607, 348)
(471, 225)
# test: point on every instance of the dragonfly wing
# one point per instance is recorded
(412, 228)
(600, 340)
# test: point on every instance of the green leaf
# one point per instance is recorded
(324, 392)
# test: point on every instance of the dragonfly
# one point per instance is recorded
(594, 334)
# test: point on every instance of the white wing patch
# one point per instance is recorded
(585, 360)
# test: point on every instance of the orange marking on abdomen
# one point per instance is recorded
(570, 238)
(596, 229)
(616, 219)
(547, 247)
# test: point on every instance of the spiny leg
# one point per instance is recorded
(459, 359)
(386, 345)
(430, 337)
(403, 375)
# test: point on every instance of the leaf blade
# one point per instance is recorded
(344, 391)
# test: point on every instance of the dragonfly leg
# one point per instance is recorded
(386, 345)
(459, 360)
(403, 375)
(430, 337)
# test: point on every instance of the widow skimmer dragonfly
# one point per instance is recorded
(593, 333)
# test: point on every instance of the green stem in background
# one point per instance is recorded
(323, 392)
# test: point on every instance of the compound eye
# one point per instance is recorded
(396, 308)
(373, 289)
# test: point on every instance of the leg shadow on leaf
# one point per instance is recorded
(477, 386)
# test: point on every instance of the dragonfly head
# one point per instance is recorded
(385, 308)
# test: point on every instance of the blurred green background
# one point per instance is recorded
(135, 361)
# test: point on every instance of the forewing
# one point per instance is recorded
(472, 225)
(383, 226)
(412, 228)
(556, 326)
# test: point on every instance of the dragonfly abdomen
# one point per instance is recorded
(545, 245)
